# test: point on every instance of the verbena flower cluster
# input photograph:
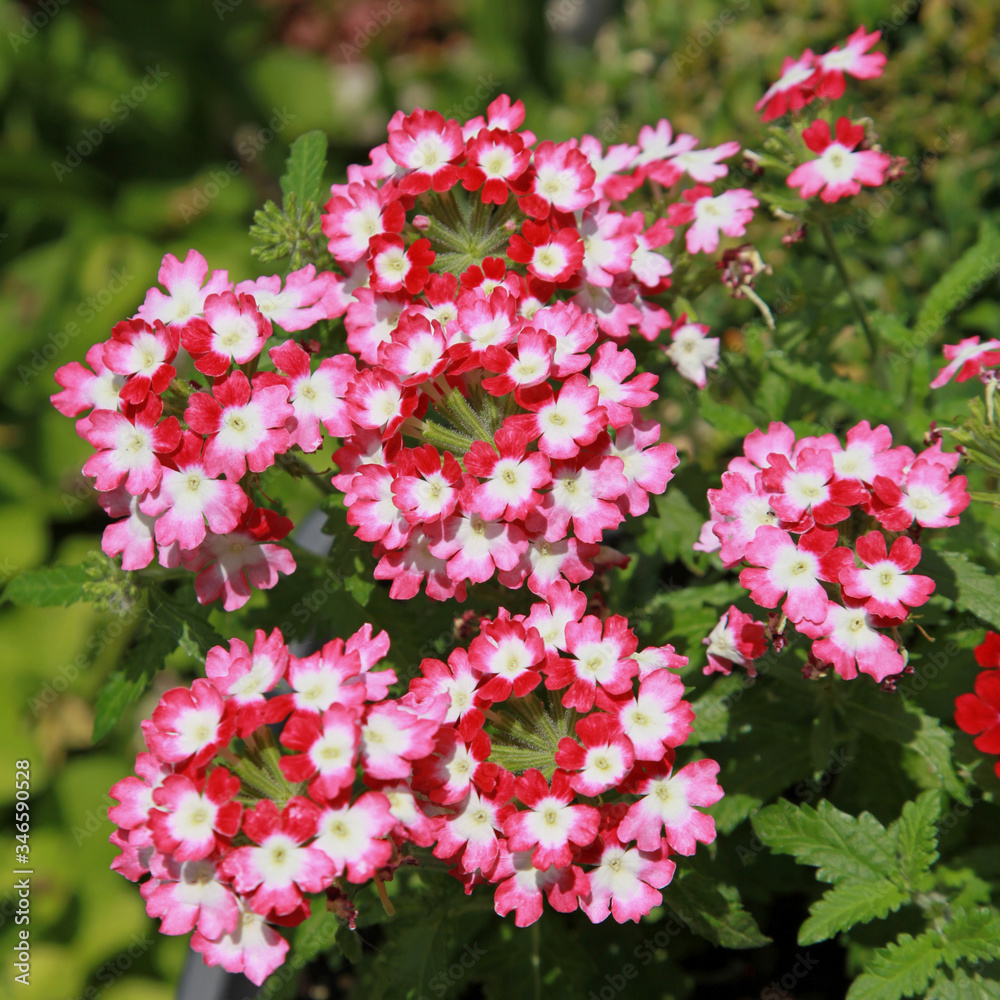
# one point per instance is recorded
(979, 714)
(840, 167)
(787, 507)
(540, 761)
(493, 339)
(486, 283)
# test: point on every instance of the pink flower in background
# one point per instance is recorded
(792, 90)
(967, 359)
(840, 169)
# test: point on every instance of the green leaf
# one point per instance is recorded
(186, 622)
(954, 287)
(349, 944)
(713, 911)
(930, 757)
(171, 623)
(676, 527)
(915, 835)
(711, 710)
(848, 904)
(971, 935)
(841, 846)
(723, 417)
(962, 986)
(303, 175)
(902, 969)
(731, 810)
(966, 583)
(127, 684)
(48, 587)
(876, 405)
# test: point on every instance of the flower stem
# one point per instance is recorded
(838, 263)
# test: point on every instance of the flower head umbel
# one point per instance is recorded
(785, 509)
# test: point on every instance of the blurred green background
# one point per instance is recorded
(133, 129)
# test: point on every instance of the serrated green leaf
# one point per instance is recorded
(902, 969)
(971, 935)
(962, 986)
(876, 405)
(51, 586)
(303, 176)
(713, 911)
(723, 417)
(978, 262)
(915, 835)
(126, 685)
(965, 582)
(841, 846)
(850, 903)
(711, 710)
(186, 622)
(932, 747)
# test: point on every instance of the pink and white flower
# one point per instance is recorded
(840, 169)
(193, 815)
(727, 213)
(353, 835)
(853, 59)
(185, 281)
(624, 882)
(188, 497)
(274, 874)
(884, 586)
(244, 428)
(849, 639)
(794, 570)
(233, 330)
(668, 803)
(142, 352)
(550, 824)
(967, 359)
(692, 351)
(792, 90)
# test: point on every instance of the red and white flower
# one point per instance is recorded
(840, 169)
(884, 584)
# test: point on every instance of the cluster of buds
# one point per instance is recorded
(784, 510)
(979, 714)
(277, 777)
